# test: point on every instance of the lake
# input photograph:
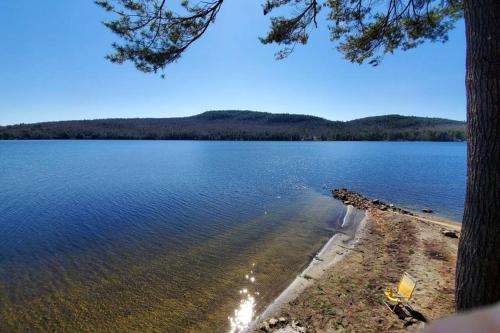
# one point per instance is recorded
(160, 235)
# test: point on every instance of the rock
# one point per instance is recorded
(450, 233)
(282, 320)
(427, 210)
(419, 326)
(273, 322)
(412, 322)
(297, 326)
(290, 329)
(359, 201)
(264, 327)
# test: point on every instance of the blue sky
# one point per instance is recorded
(52, 67)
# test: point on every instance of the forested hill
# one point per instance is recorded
(244, 125)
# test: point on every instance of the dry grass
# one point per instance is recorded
(350, 297)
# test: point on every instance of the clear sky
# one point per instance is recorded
(52, 67)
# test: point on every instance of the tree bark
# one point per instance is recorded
(478, 265)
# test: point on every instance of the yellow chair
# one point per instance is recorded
(402, 295)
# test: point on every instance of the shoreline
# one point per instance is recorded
(341, 245)
(334, 250)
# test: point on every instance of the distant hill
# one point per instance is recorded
(244, 125)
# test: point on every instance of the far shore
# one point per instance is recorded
(336, 295)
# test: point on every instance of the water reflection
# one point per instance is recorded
(244, 314)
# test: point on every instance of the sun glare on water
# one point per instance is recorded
(244, 314)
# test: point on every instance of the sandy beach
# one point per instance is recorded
(342, 288)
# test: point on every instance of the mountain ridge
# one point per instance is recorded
(244, 125)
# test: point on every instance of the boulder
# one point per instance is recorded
(427, 210)
(450, 233)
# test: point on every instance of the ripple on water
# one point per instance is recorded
(138, 236)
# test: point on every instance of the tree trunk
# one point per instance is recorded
(478, 266)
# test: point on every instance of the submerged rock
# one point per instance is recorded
(427, 210)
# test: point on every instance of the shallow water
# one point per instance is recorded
(159, 235)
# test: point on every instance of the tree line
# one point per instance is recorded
(244, 125)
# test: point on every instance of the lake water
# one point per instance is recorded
(160, 235)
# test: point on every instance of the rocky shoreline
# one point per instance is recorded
(348, 297)
(361, 202)
(335, 250)
(282, 325)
